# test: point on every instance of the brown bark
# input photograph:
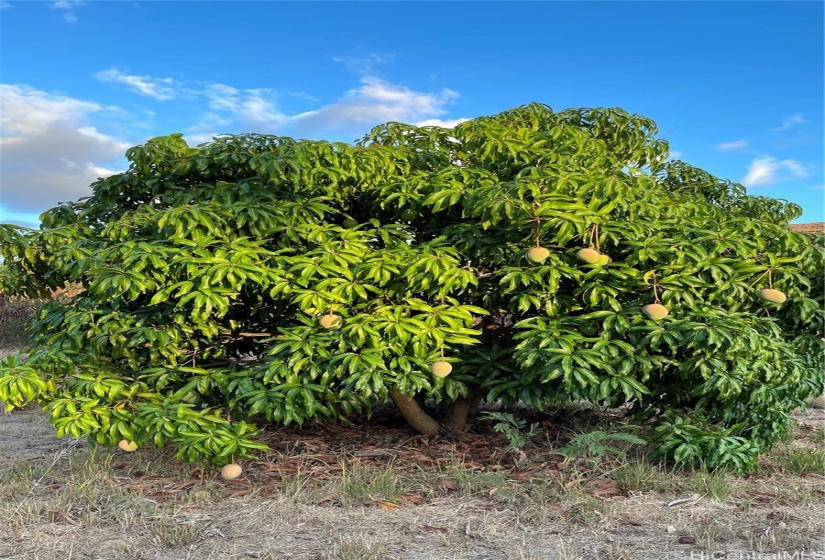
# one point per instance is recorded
(412, 412)
(457, 414)
(478, 397)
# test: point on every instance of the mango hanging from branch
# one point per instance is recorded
(655, 311)
(331, 321)
(774, 296)
(590, 256)
(442, 369)
(538, 255)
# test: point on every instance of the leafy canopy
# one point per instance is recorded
(205, 272)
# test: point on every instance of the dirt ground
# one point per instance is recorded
(27, 436)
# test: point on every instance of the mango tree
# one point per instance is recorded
(532, 257)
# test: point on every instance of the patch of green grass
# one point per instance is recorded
(350, 549)
(469, 481)
(361, 483)
(714, 534)
(17, 481)
(773, 541)
(456, 479)
(798, 461)
(639, 475)
(712, 484)
(584, 508)
(168, 532)
(294, 487)
(818, 435)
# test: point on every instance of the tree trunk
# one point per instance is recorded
(478, 397)
(456, 419)
(414, 414)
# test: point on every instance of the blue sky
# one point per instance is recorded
(737, 87)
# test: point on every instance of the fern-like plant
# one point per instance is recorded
(513, 428)
(596, 445)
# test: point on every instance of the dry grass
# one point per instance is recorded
(105, 504)
(108, 505)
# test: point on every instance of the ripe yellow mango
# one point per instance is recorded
(442, 369)
(655, 311)
(231, 471)
(331, 321)
(127, 446)
(538, 254)
(774, 296)
(590, 256)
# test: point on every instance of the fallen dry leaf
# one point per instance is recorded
(414, 499)
(605, 493)
(159, 496)
(324, 499)
(449, 484)
(575, 482)
(56, 515)
(386, 505)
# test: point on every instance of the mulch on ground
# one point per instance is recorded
(319, 452)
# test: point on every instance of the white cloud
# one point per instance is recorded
(158, 88)
(230, 108)
(766, 171)
(5, 5)
(374, 102)
(195, 138)
(761, 172)
(798, 169)
(222, 97)
(68, 5)
(449, 123)
(363, 65)
(675, 154)
(258, 110)
(735, 145)
(50, 151)
(789, 122)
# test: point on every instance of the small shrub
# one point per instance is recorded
(513, 428)
(598, 444)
